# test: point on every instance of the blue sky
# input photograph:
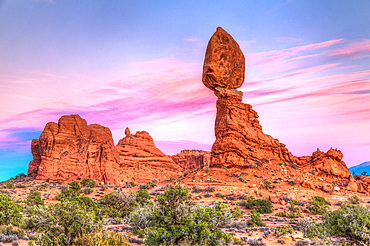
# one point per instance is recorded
(139, 64)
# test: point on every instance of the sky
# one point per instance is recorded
(138, 64)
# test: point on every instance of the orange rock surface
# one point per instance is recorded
(72, 149)
(192, 159)
(224, 63)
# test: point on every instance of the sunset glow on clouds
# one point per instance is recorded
(308, 93)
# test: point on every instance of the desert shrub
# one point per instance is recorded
(255, 219)
(67, 194)
(64, 222)
(177, 219)
(350, 224)
(10, 212)
(87, 191)
(281, 214)
(34, 217)
(206, 195)
(88, 203)
(291, 182)
(75, 186)
(260, 205)
(209, 189)
(151, 184)
(102, 238)
(88, 183)
(267, 184)
(218, 194)
(142, 218)
(142, 197)
(237, 213)
(8, 238)
(10, 184)
(34, 198)
(354, 199)
(10, 230)
(143, 186)
(117, 205)
(196, 189)
(318, 205)
(282, 230)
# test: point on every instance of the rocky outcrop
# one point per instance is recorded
(141, 160)
(192, 159)
(71, 149)
(239, 137)
(329, 163)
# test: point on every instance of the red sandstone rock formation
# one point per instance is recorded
(239, 136)
(329, 163)
(71, 149)
(142, 161)
(192, 159)
(224, 63)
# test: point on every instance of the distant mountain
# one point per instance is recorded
(359, 169)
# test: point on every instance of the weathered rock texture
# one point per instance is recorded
(192, 159)
(240, 140)
(141, 160)
(71, 149)
(239, 136)
(329, 163)
(224, 63)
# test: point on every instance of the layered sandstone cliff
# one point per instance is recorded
(140, 159)
(192, 159)
(72, 149)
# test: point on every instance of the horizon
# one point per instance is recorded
(139, 65)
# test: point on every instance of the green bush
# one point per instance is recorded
(63, 222)
(350, 224)
(262, 206)
(237, 213)
(10, 230)
(255, 219)
(281, 214)
(87, 191)
(10, 213)
(142, 197)
(88, 183)
(175, 219)
(67, 194)
(354, 199)
(282, 230)
(34, 217)
(318, 205)
(117, 205)
(88, 203)
(75, 186)
(267, 184)
(10, 184)
(103, 238)
(34, 198)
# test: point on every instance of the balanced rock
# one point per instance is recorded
(190, 160)
(239, 137)
(224, 63)
(71, 149)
